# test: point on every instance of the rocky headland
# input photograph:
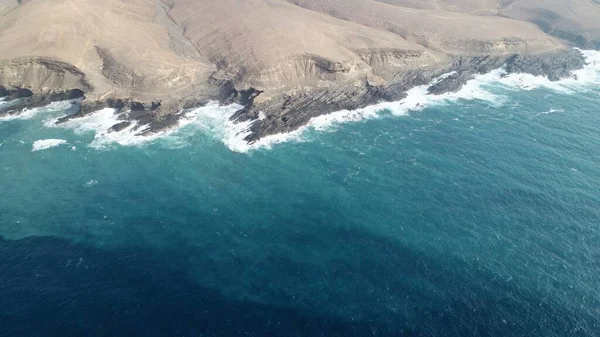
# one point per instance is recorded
(287, 112)
(283, 62)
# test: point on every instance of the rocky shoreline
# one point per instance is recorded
(286, 112)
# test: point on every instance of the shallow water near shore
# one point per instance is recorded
(473, 216)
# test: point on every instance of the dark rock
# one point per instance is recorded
(19, 93)
(3, 92)
(154, 116)
(192, 103)
(247, 96)
(227, 91)
(85, 108)
(555, 65)
(67, 118)
(21, 99)
(119, 126)
(117, 104)
(155, 105)
(462, 70)
(137, 106)
(287, 112)
(76, 93)
(157, 125)
(452, 83)
(245, 114)
(66, 95)
(9, 110)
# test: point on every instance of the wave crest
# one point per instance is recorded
(44, 144)
(214, 119)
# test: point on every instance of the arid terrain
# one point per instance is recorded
(290, 59)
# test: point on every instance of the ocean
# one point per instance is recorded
(469, 214)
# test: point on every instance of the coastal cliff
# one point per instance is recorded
(283, 62)
(288, 111)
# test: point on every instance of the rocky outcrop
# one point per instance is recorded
(116, 72)
(17, 93)
(462, 70)
(87, 107)
(149, 118)
(553, 65)
(299, 70)
(181, 51)
(154, 117)
(21, 98)
(135, 110)
(289, 112)
(386, 57)
(41, 74)
(120, 126)
(3, 92)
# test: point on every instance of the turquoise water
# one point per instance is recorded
(465, 218)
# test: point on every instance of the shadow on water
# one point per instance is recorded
(52, 287)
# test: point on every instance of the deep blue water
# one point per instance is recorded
(463, 219)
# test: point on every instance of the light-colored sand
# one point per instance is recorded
(170, 49)
(117, 44)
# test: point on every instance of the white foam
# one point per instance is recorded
(418, 98)
(550, 111)
(91, 183)
(30, 113)
(214, 119)
(582, 79)
(267, 142)
(99, 123)
(44, 144)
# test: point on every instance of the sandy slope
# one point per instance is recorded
(117, 44)
(274, 44)
(575, 20)
(171, 49)
(7, 6)
(445, 31)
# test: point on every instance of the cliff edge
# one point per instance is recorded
(289, 59)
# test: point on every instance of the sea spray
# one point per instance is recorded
(214, 119)
(99, 123)
(407, 222)
(44, 144)
(51, 108)
(481, 87)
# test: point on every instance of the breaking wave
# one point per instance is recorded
(44, 144)
(417, 98)
(214, 119)
(99, 123)
(30, 113)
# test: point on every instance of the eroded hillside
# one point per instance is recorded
(290, 59)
